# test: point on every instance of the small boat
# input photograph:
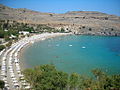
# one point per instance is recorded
(83, 47)
(70, 45)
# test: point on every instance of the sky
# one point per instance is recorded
(63, 6)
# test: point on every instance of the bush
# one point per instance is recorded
(2, 84)
(2, 47)
(2, 34)
(83, 26)
(112, 29)
(47, 77)
(9, 44)
(90, 29)
(62, 30)
(106, 18)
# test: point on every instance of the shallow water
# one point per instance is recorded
(78, 54)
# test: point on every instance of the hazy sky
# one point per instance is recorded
(62, 6)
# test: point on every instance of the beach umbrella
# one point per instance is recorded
(14, 78)
(27, 87)
(16, 61)
(16, 84)
(3, 74)
(4, 58)
(12, 75)
(10, 68)
(3, 69)
(15, 81)
(17, 64)
(5, 81)
(10, 55)
(25, 84)
(10, 58)
(3, 66)
(6, 84)
(3, 63)
(18, 71)
(4, 78)
(11, 71)
(16, 54)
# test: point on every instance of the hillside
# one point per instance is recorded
(79, 22)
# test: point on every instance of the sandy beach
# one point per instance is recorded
(12, 65)
(23, 64)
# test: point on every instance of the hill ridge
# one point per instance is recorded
(100, 23)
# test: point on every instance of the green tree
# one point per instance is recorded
(46, 77)
(2, 47)
(115, 82)
(74, 81)
(87, 82)
(2, 34)
(61, 80)
(7, 38)
(2, 84)
(9, 44)
(62, 30)
(98, 73)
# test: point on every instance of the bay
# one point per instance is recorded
(73, 53)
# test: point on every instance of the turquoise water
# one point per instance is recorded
(78, 54)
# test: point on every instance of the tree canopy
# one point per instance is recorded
(2, 83)
(47, 77)
(2, 47)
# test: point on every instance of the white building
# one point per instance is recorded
(24, 32)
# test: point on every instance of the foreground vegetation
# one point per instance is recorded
(2, 84)
(47, 77)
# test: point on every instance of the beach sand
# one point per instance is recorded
(23, 63)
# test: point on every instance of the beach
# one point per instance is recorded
(23, 64)
(11, 65)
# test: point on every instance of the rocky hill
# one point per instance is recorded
(79, 22)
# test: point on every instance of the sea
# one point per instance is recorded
(76, 53)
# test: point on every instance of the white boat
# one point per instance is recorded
(83, 47)
(70, 45)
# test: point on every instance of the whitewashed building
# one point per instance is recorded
(24, 32)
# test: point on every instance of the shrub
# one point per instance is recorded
(112, 29)
(90, 29)
(47, 77)
(106, 18)
(2, 84)
(83, 26)
(9, 44)
(62, 30)
(2, 47)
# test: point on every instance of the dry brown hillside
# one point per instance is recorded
(79, 22)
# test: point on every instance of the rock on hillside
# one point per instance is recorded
(79, 22)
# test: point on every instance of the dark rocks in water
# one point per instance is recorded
(56, 56)
(118, 54)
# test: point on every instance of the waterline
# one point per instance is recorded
(76, 53)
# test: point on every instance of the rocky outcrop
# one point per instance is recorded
(79, 22)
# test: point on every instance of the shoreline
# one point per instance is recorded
(12, 66)
(23, 63)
